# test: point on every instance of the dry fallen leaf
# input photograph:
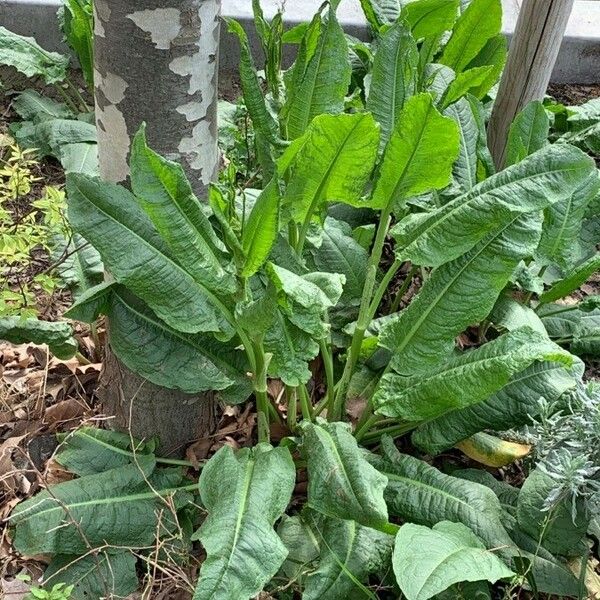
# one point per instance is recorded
(14, 589)
(67, 410)
(10, 479)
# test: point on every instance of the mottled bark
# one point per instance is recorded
(157, 64)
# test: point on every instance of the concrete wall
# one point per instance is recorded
(578, 61)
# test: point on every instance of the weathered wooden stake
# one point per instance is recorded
(535, 44)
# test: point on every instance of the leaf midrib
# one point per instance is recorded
(102, 501)
(215, 302)
(216, 360)
(425, 314)
(432, 222)
(242, 506)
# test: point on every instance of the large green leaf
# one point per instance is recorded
(90, 450)
(115, 507)
(189, 362)
(254, 98)
(394, 77)
(492, 54)
(50, 136)
(314, 291)
(80, 157)
(574, 325)
(57, 335)
(481, 21)
(430, 18)
(260, 232)
(78, 26)
(31, 105)
(464, 169)
(578, 276)
(302, 544)
(562, 226)
(29, 58)
(465, 379)
(485, 166)
(81, 267)
(341, 483)
(507, 494)
(292, 350)
(528, 133)
(447, 554)
(587, 139)
(419, 155)
(380, 12)
(457, 295)
(414, 485)
(110, 218)
(333, 165)
(349, 554)
(558, 529)
(538, 181)
(340, 253)
(244, 492)
(94, 576)
(465, 82)
(510, 314)
(512, 406)
(319, 79)
(164, 193)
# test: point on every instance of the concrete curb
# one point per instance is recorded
(578, 60)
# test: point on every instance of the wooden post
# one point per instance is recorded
(540, 28)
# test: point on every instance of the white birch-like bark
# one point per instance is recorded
(156, 61)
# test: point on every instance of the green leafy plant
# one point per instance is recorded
(58, 592)
(367, 172)
(27, 229)
(64, 129)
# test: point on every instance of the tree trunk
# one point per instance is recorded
(540, 29)
(156, 61)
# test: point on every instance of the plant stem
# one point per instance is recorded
(403, 289)
(174, 461)
(362, 429)
(364, 314)
(260, 393)
(274, 412)
(327, 357)
(393, 431)
(320, 406)
(82, 359)
(292, 408)
(66, 98)
(379, 293)
(78, 95)
(307, 411)
(293, 234)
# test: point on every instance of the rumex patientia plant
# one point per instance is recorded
(360, 146)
